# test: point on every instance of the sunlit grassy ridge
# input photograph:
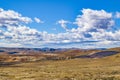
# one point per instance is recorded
(105, 68)
(75, 69)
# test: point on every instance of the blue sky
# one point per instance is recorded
(52, 10)
(60, 23)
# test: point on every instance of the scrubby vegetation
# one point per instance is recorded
(50, 68)
(74, 69)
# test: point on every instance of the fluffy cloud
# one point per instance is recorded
(63, 24)
(110, 36)
(38, 20)
(93, 25)
(12, 18)
(13, 29)
(94, 28)
(94, 19)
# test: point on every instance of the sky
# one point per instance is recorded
(60, 23)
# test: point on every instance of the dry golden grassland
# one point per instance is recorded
(107, 68)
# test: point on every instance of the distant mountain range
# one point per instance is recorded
(38, 54)
(46, 49)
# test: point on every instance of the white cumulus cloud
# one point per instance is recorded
(94, 19)
(10, 17)
(94, 28)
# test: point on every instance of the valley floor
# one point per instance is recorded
(74, 69)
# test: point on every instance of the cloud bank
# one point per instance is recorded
(94, 30)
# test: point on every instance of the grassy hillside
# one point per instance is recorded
(107, 68)
(104, 68)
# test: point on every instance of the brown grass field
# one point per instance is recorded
(106, 68)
